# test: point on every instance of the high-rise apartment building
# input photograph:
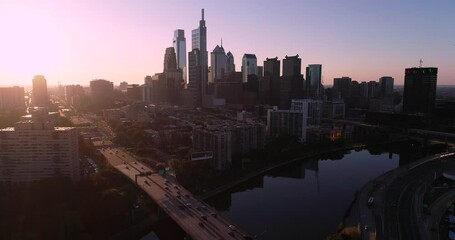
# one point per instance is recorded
(386, 85)
(35, 149)
(314, 108)
(287, 122)
(12, 98)
(40, 97)
(249, 66)
(101, 92)
(341, 87)
(179, 43)
(218, 63)
(419, 92)
(313, 84)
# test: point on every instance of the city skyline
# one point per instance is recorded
(74, 43)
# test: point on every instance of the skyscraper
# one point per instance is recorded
(341, 87)
(291, 85)
(170, 60)
(313, 81)
(198, 60)
(102, 93)
(249, 66)
(386, 85)
(230, 65)
(272, 75)
(419, 89)
(218, 63)
(179, 44)
(292, 66)
(40, 97)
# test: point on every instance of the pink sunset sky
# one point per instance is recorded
(73, 42)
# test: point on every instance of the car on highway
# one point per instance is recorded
(232, 227)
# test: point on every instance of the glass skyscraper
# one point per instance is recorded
(179, 44)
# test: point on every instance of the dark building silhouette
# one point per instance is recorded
(419, 92)
(102, 92)
(313, 85)
(249, 66)
(230, 65)
(341, 87)
(40, 97)
(271, 81)
(195, 84)
(292, 83)
(386, 85)
(133, 92)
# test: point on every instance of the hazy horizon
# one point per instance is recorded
(75, 42)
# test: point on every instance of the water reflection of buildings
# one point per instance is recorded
(223, 200)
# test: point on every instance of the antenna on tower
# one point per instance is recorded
(420, 63)
(221, 42)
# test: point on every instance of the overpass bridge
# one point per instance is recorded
(199, 220)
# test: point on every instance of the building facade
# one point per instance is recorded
(218, 63)
(386, 84)
(287, 122)
(314, 108)
(179, 43)
(249, 66)
(12, 98)
(313, 84)
(419, 92)
(40, 98)
(101, 92)
(33, 150)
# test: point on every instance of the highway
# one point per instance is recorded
(196, 218)
(397, 212)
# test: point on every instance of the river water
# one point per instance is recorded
(306, 199)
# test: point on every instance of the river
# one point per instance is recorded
(307, 199)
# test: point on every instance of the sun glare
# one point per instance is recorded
(31, 43)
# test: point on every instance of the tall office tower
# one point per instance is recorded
(179, 44)
(341, 87)
(292, 66)
(40, 97)
(419, 89)
(35, 149)
(170, 60)
(292, 83)
(12, 98)
(198, 62)
(102, 93)
(249, 66)
(171, 81)
(272, 76)
(218, 63)
(230, 65)
(313, 83)
(386, 85)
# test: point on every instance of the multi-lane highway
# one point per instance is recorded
(397, 211)
(196, 218)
